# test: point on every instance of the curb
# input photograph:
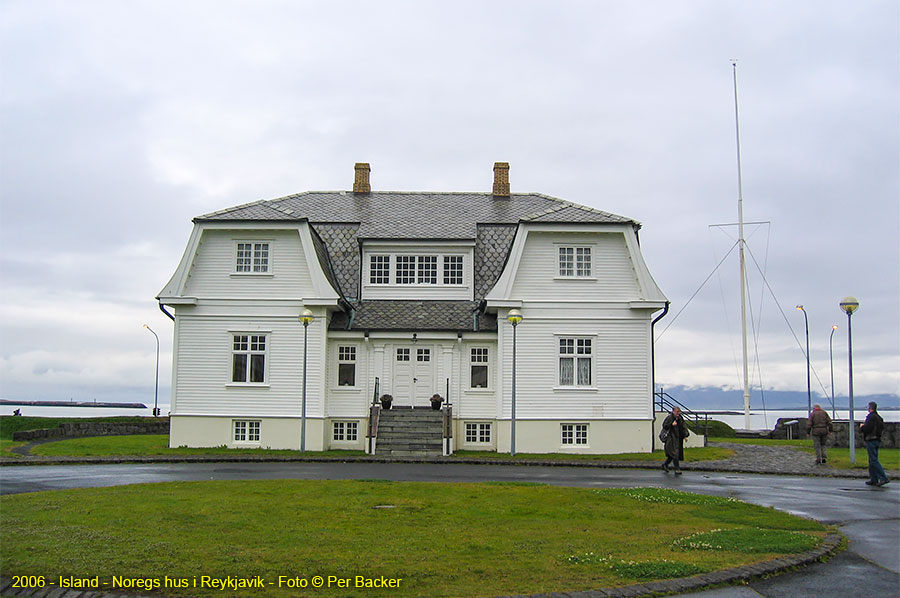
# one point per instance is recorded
(698, 466)
(744, 574)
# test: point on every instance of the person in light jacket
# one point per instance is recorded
(818, 426)
(676, 432)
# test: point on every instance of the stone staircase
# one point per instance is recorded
(409, 433)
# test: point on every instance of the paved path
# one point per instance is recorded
(868, 517)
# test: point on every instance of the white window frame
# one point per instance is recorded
(453, 266)
(250, 346)
(485, 353)
(344, 431)
(578, 263)
(383, 272)
(479, 433)
(574, 434)
(347, 354)
(577, 349)
(258, 261)
(420, 269)
(246, 431)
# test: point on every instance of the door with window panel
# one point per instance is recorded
(413, 375)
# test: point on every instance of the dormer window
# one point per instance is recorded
(575, 262)
(252, 258)
(416, 269)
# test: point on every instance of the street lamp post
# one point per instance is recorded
(156, 389)
(514, 316)
(850, 305)
(306, 316)
(831, 359)
(808, 387)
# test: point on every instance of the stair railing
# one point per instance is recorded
(664, 402)
(447, 412)
(372, 427)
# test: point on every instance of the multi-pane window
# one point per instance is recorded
(427, 269)
(575, 261)
(423, 354)
(575, 361)
(445, 270)
(405, 272)
(402, 354)
(478, 359)
(252, 257)
(345, 431)
(453, 269)
(248, 358)
(380, 269)
(478, 432)
(246, 431)
(346, 366)
(574, 434)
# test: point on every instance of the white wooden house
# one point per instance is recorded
(413, 290)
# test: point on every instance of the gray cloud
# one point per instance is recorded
(123, 121)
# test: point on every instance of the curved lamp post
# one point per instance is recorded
(156, 390)
(831, 359)
(850, 305)
(808, 388)
(306, 316)
(514, 317)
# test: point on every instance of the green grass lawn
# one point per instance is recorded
(839, 458)
(439, 539)
(158, 445)
(10, 424)
(690, 454)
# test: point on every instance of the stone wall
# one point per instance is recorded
(840, 435)
(81, 429)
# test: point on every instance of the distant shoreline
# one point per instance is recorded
(74, 404)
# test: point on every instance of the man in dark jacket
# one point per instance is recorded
(676, 431)
(818, 426)
(871, 431)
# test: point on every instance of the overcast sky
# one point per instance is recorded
(123, 120)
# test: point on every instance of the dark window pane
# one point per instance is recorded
(239, 371)
(257, 368)
(479, 376)
(347, 374)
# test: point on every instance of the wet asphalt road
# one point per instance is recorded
(868, 517)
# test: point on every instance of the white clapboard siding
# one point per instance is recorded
(476, 403)
(621, 374)
(212, 272)
(342, 401)
(203, 378)
(613, 275)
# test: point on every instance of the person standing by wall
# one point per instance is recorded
(871, 431)
(675, 431)
(818, 426)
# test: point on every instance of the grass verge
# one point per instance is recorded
(153, 445)
(438, 539)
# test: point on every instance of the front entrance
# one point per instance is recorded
(413, 375)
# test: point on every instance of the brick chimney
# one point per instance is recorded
(361, 180)
(501, 179)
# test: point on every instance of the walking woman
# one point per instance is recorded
(675, 432)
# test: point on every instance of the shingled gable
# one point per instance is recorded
(343, 220)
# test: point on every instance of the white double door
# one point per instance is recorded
(413, 374)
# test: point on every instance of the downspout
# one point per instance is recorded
(162, 308)
(653, 373)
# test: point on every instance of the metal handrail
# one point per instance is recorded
(374, 411)
(667, 402)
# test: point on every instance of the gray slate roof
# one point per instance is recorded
(343, 219)
(416, 315)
